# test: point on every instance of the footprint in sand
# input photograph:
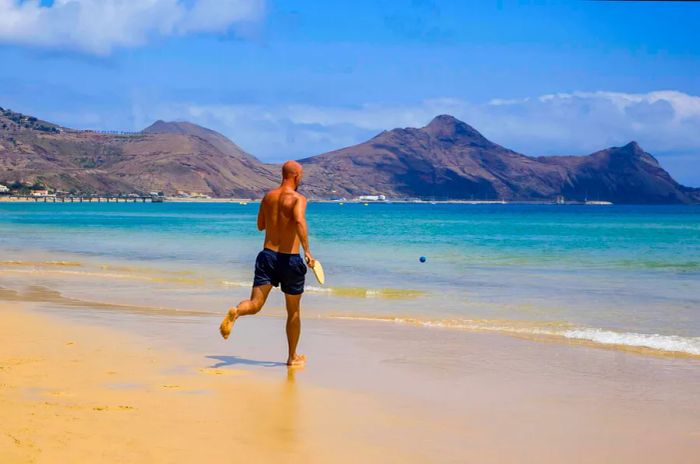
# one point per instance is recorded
(183, 390)
(14, 439)
(215, 371)
(19, 361)
(15, 450)
(114, 408)
(59, 393)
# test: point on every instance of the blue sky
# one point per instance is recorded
(290, 79)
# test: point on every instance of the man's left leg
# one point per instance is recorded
(258, 296)
(293, 303)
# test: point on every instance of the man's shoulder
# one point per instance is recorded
(271, 194)
(300, 199)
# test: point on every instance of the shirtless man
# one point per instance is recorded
(282, 216)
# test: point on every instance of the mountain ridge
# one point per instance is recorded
(170, 157)
(445, 159)
(449, 159)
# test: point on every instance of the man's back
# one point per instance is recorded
(279, 221)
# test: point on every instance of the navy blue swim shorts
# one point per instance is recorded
(285, 269)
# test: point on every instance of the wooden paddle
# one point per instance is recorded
(318, 271)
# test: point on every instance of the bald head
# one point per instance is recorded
(291, 169)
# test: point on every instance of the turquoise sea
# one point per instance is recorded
(616, 275)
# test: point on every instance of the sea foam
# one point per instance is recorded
(663, 344)
(667, 343)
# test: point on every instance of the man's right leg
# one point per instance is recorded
(258, 296)
(293, 329)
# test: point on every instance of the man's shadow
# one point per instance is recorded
(224, 361)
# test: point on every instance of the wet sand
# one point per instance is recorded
(82, 385)
(77, 393)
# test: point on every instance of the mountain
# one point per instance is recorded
(448, 159)
(189, 157)
(166, 156)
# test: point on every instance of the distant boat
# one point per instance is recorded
(243, 203)
(598, 203)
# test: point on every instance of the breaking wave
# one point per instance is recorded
(561, 331)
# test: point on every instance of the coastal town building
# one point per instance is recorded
(4, 189)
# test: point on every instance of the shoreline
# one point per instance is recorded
(62, 275)
(41, 199)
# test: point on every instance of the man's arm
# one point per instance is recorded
(302, 230)
(261, 215)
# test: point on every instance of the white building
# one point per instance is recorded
(4, 189)
(371, 198)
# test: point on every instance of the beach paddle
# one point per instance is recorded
(318, 271)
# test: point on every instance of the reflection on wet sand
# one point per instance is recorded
(291, 420)
(36, 293)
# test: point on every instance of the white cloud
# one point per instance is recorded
(581, 122)
(665, 123)
(99, 26)
(568, 123)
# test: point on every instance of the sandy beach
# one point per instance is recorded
(76, 387)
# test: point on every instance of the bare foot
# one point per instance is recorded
(227, 323)
(296, 360)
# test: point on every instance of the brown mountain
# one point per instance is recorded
(625, 174)
(167, 156)
(448, 159)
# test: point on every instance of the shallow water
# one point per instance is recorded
(622, 275)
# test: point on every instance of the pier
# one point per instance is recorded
(88, 199)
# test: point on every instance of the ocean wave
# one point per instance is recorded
(666, 343)
(235, 283)
(679, 266)
(146, 270)
(313, 289)
(361, 292)
(40, 263)
(109, 275)
(560, 331)
(352, 292)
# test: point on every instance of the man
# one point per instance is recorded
(282, 216)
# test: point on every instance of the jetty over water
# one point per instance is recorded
(87, 199)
